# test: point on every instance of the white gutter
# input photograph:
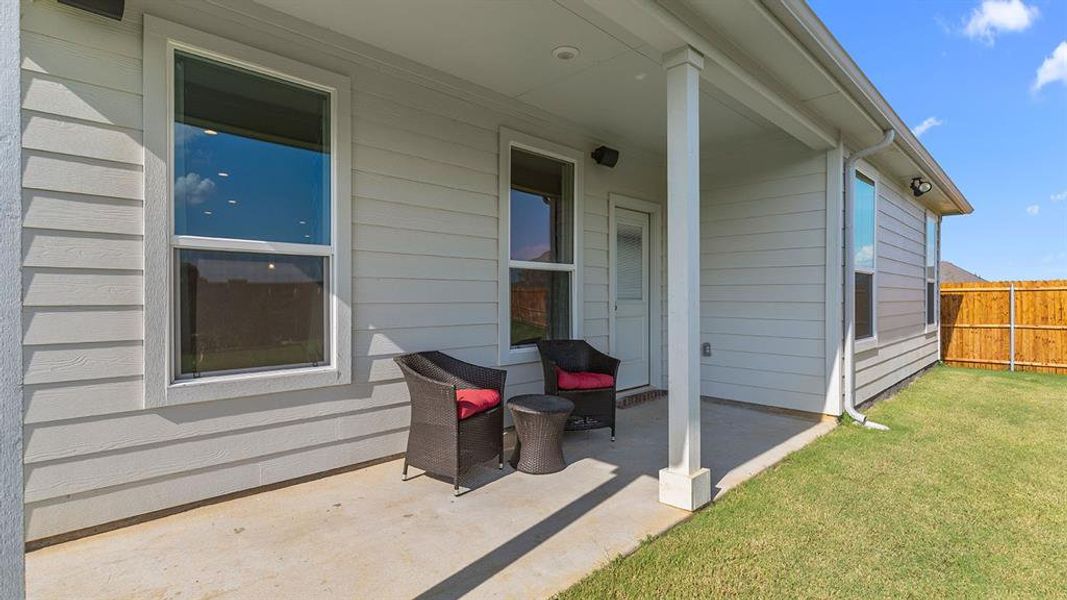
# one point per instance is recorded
(850, 280)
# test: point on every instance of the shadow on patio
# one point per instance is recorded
(365, 533)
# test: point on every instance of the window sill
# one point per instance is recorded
(223, 387)
(931, 328)
(866, 344)
(519, 356)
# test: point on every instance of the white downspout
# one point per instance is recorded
(850, 281)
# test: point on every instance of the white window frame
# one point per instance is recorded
(869, 172)
(162, 388)
(932, 216)
(514, 139)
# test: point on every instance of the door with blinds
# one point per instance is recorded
(630, 274)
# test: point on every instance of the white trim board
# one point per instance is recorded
(937, 259)
(835, 269)
(12, 564)
(655, 279)
(936, 279)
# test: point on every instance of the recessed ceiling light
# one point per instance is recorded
(223, 174)
(566, 52)
(207, 212)
(232, 202)
(303, 222)
(210, 132)
(270, 266)
(639, 77)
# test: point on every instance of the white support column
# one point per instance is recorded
(683, 483)
(11, 532)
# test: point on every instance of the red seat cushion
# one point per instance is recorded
(472, 402)
(582, 380)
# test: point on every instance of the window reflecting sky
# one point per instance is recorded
(864, 206)
(231, 186)
(531, 226)
(251, 155)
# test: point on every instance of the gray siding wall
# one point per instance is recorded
(12, 565)
(424, 270)
(903, 345)
(763, 257)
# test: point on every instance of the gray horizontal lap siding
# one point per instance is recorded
(423, 274)
(763, 239)
(904, 347)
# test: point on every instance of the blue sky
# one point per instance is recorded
(234, 186)
(970, 70)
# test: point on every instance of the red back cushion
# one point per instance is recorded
(582, 380)
(473, 401)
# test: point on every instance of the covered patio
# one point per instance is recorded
(367, 534)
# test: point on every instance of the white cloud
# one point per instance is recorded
(865, 255)
(997, 16)
(1058, 197)
(1033, 209)
(1053, 69)
(926, 125)
(193, 188)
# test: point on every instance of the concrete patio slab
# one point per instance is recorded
(367, 534)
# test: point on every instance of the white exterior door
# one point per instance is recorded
(630, 274)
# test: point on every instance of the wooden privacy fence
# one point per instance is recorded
(1005, 325)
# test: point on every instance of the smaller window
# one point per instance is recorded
(931, 269)
(540, 306)
(540, 286)
(864, 305)
(542, 247)
(865, 207)
(630, 262)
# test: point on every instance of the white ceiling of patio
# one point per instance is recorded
(611, 86)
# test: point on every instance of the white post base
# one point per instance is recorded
(687, 492)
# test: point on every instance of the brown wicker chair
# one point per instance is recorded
(439, 442)
(593, 408)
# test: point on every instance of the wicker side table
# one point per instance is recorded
(539, 422)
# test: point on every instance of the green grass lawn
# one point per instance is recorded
(965, 497)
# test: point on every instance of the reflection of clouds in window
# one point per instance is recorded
(865, 255)
(864, 222)
(191, 188)
(251, 155)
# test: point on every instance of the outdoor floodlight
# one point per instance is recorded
(920, 187)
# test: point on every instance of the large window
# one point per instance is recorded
(865, 208)
(541, 253)
(253, 208)
(932, 294)
(251, 164)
